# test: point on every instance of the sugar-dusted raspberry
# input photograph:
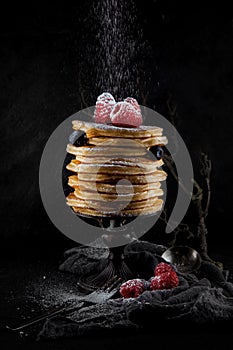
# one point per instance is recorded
(106, 97)
(103, 108)
(124, 114)
(166, 280)
(161, 268)
(132, 288)
(133, 102)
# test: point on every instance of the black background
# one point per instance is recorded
(192, 45)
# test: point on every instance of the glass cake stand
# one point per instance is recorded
(114, 266)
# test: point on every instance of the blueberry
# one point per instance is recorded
(159, 152)
(78, 138)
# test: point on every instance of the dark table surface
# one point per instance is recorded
(31, 283)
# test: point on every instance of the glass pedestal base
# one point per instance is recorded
(115, 267)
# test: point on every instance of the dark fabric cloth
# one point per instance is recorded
(203, 297)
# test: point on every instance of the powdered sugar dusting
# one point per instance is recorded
(115, 47)
(117, 33)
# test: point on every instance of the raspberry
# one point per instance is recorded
(166, 280)
(161, 268)
(103, 108)
(134, 103)
(132, 288)
(106, 97)
(124, 114)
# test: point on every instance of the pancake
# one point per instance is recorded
(96, 130)
(106, 151)
(157, 206)
(112, 206)
(156, 176)
(74, 182)
(116, 160)
(146, 142)
(124, 197)
(120, 167)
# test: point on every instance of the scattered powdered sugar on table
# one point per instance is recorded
(53, 292)
(203, 298)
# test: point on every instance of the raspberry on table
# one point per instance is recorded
(162, 267)
(132, 288)
(103, 108)
(166, 280)
(124, 114)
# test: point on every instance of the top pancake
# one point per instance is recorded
(96, 130)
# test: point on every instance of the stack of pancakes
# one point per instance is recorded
(115, 174)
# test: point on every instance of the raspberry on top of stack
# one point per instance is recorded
(116, 148)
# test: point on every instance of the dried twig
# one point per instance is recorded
(203, 208)
(198, 196)
(83, 102)
(182, 228)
